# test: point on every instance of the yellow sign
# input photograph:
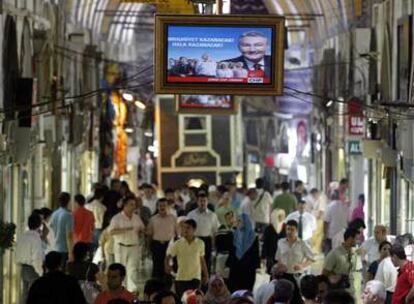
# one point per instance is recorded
(168, 6)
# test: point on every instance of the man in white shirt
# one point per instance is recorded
(336, 219)
(29, 254)
(160, 231)
(149, 197)
(306, 222)
(369, 249)
(206, 67)
(387, 274)
(207, 224)
(125, 228)
(293, 256)
(98, 209)
(261, 207)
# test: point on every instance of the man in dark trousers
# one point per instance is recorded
(55, 286)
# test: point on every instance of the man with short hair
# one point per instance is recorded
(84, 222)
(299, 190)
(149, 197)
(261, 207)
(374, 293)
(55, 286)
(293, 256)
(284, 292)
(306, 222)
(336, 219)
(160, 231)
(286, 200)
(405, 281)
(309, 289)
(369, 248)
(29, 254)
(339, 296)
(62, 223)
(189, 250)
(253, 46)
(98, 209)
(340, 263)
(125, 228)
(115, 277)
(207, 225)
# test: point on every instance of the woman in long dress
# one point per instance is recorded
(271, 235)
(245, 259)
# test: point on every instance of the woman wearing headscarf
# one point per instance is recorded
(217, 292)
(245, 259)
(271, 235)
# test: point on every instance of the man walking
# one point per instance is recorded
(125, 228)
(207, 225)
(160, 231)
(286, 200)
(261, 207)
(189, 250)
(98, 209)
(29, 254)
(306, 222)
(293, 256)
(84, 222)
(62, 223)
(340, 263)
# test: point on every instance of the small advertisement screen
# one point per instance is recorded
(221, 54)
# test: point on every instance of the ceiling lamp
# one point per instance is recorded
(127, 96)
(140, 105)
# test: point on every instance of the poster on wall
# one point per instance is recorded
(206, 104)
(219, 54)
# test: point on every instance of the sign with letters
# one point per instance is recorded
(354, 147)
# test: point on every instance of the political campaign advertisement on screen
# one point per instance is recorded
(217, 54)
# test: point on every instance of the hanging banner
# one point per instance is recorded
(167, 6)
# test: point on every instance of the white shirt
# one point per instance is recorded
(129, 237)
(151, 203)
(337, 217)
(261, 207)
(29, 250)
(207, 68)
(315, 206)
(308, 223)
(98, 210)
(293, 255)
(387, 274)
(264, 292)
(207, 222)
(225, 73)
(371, 247)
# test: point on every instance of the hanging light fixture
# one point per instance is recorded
(127, 96)
(140, 105)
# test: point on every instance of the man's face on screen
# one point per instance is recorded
(253, 48)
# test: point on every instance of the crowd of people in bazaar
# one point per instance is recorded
(207, 245)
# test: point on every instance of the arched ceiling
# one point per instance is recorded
(312, 21)
(115, 21)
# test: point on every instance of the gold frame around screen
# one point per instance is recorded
(206, 111)
(278, 45)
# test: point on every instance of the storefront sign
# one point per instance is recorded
(356, 125)
(354, 147)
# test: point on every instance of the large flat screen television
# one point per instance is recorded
(237, 55)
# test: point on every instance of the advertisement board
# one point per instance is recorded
(219, 55)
